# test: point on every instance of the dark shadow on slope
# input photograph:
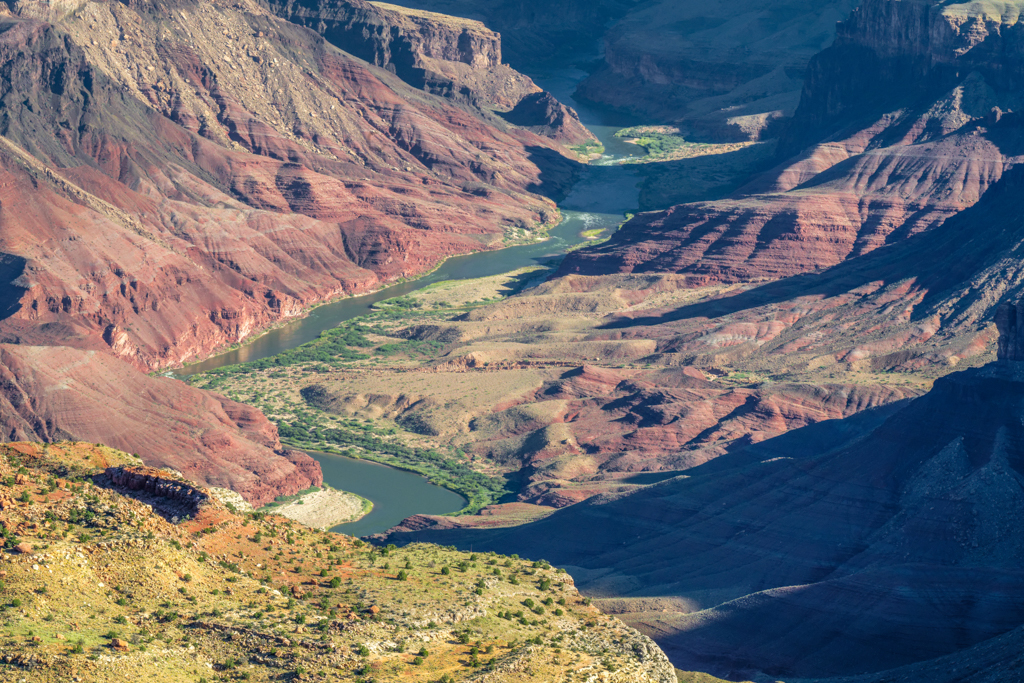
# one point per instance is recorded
(11, 268)
(557, 173)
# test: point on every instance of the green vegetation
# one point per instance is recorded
(444, 469)
(588, 148)
(657, 141)
(283, 607)
(310, 428)
(284, 500)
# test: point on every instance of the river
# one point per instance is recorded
(605, 191)
(396, 494)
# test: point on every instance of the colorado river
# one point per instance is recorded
(599, 200)
(396, 494)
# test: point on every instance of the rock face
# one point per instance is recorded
(1010, 324)
(728, 71)
(58, 393)
(175, 177)
(905, 51)
(880, 541)
(457, 58)
(536, 31)
(898, 158)
(161, 490)
(454, 57)
(210, 180)
(544, 115)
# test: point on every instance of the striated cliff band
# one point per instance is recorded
(866, 161)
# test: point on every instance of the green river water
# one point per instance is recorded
(600, 199)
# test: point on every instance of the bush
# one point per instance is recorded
(402, 575)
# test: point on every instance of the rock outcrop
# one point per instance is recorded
(159, 488)
(1010, 325)
(58, 393)
(541, 113)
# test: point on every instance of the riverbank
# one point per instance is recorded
(323, 508)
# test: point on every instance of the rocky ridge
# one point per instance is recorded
(58, 393)
(894, 165)
(233, 140)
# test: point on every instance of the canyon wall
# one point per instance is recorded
(722, 71)
(175, 177)
(892, 156)
(205, 182)
(890, 54)
(54, 393)
(536, 32)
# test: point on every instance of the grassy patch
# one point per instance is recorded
(588, 148)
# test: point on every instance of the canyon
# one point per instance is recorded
(773, 425)
(178, 178)
(903, 520)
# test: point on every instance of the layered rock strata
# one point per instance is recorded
(890, 158)
(207, 181)
(164, 492)
(176, 177)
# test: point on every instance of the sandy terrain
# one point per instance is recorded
(324, 509)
